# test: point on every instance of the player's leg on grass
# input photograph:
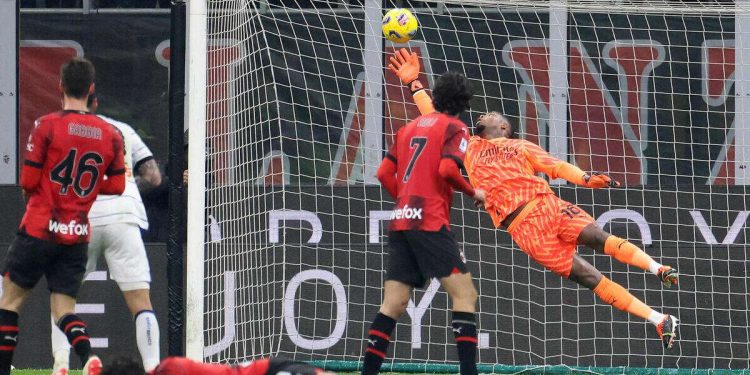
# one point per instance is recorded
(402, 275)
(463, 294)
(584, 273)
(625, 252)
(60, 349)
(129, 267)
(396, 296)
(60, 343)
(74, 328)
(25, 265)
(63, 310)
(146, 326)
(64, 277)
(12, 299)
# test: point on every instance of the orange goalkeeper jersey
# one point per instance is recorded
(506, 169)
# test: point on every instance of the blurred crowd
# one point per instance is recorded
(95, 3)
(146, 4)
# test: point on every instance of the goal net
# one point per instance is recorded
(288, 225)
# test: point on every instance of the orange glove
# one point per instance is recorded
(598, 180)
(405, 65)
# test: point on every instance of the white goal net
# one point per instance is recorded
(288, 224)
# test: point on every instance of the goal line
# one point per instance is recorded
(436, 368)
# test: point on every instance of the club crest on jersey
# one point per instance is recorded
(407, 212)
(70, 228)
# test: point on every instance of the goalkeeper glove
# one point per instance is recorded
(598, 180)
(405, 65)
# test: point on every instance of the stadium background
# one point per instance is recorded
(130, 55)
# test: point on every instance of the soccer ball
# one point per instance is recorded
(399, 25)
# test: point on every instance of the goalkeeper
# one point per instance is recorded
(544, 226)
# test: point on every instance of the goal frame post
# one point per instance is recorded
(176, 214)
(197, 56)
(372, 147)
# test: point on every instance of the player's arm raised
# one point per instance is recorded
(556, 168)
(405, 65)
(115, 182)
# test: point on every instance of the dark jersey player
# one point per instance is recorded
(68, 154)
(184, 366)
(421, 171)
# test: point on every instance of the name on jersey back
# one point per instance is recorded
(427, 122)
(84, 131)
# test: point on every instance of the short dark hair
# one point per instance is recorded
(451, 94)
(76, 76)
(123, 366)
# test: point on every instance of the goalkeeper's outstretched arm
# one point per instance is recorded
(556, 168)
(405, 65)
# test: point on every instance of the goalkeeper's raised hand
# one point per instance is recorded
(405, 65)
(598, 180)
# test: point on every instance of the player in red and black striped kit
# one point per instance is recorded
(421, 171)
(184, 366)
(68, 154)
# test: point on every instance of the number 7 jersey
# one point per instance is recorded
(424, 197)
(74, 150)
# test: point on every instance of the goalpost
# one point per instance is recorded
(290, 111)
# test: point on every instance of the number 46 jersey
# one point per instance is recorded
(424, 197)
(74, 151)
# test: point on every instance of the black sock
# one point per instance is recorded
(8, 339)
(378, 339)
(75, 329)
(465, 331)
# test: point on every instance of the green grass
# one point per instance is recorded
(345, 369)
(436, 368)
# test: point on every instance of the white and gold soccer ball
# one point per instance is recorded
(399, 25)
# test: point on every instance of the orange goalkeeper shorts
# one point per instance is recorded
(547, 230)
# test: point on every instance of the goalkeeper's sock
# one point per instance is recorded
(377, 343)
(75, 329)
(147, 338)
(465, 332)
(627, 253)
(617, 296)
(8, 339)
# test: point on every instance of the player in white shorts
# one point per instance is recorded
(116, 223)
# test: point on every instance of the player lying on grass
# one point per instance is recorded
(544, 226)
(184, 366)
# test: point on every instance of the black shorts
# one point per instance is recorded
(416, 256)
(30, 258)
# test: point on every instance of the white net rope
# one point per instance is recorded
(300, 112)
